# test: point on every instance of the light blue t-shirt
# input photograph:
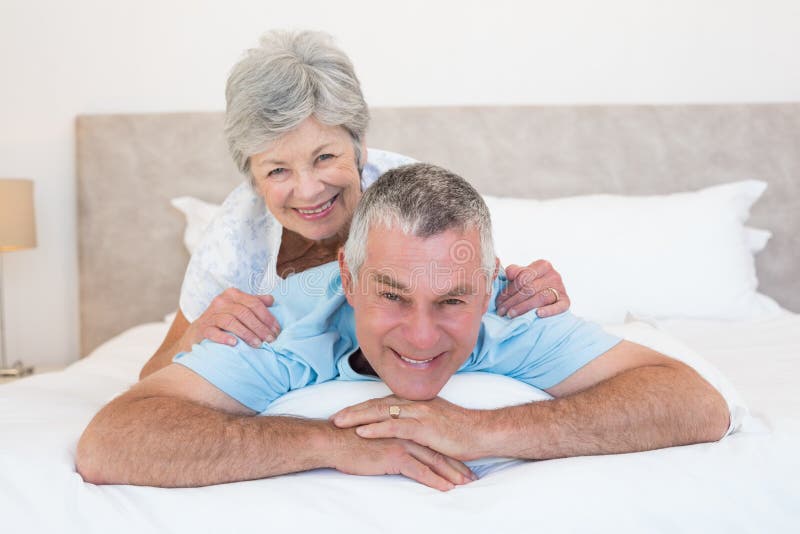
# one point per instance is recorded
(318, 336)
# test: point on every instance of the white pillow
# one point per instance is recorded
(649, 283)
(198, 215)
(470, 390)
(489, 391)
(684, 255)
(756, 238)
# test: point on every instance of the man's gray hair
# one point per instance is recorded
(287, 79)
(423, 200)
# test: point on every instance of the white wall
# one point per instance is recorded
(59, 59)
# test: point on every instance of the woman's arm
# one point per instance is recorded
(231, 312)
(169, 347)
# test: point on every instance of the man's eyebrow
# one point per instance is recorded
(460, 290)
(387, 280)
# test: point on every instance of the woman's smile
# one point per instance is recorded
(319, 211)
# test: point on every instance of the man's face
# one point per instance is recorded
(418, 305)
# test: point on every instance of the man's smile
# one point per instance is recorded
(418, 363)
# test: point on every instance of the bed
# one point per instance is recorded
(746, 338)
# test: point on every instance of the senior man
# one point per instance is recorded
(406, 304)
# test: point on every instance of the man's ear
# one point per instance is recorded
(491, 284)
(347, 278)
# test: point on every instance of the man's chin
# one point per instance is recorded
(416, 392)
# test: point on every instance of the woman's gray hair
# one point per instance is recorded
(288, 78)
(423, 200)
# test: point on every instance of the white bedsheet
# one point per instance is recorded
(746, 483)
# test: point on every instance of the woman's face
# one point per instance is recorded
(309, 179)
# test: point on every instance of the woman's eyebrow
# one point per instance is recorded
(320, 149)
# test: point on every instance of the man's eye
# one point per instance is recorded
(453, 301)
(276, 172)
(390, 296)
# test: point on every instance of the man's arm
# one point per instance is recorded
(175, 429)
(629, 399)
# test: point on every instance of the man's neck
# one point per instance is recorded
(360, 365)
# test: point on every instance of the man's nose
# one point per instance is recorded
(308, 186)
(422, 332)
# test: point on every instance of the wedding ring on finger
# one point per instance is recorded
(394, 411)
(555, 294)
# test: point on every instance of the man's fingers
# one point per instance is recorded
(371, 411)
(416, 470)
(442, 465)
(392, 428)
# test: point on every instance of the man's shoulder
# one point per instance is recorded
(302, 292)
(502, 340)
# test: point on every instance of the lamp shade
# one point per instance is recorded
(17, 220)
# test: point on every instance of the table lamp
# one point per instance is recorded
(17, 232)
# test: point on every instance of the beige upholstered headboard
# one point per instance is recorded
(129, 166)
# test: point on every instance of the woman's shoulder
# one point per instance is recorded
(235, 251)
(380, 161)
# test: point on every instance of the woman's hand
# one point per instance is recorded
(536, 286)
(235, 312)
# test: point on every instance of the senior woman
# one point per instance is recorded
(295, 124)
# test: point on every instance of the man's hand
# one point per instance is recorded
(436, 424)
(629, 399)
(359, 456)
(536, 286)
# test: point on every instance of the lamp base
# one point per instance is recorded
(17, 370)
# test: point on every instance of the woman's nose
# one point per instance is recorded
(308, 186)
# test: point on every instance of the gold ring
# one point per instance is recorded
(555, 293)
(394, 411)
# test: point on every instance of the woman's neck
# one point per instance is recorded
(298, 253)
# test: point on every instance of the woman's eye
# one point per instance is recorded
(323, 157)
(276, 172)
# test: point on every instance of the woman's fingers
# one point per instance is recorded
(555, 308)
(216, 335)
(230, 323)
(536, 286)
(243, 315)
(258, 305)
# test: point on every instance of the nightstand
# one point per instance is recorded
(37, 369)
